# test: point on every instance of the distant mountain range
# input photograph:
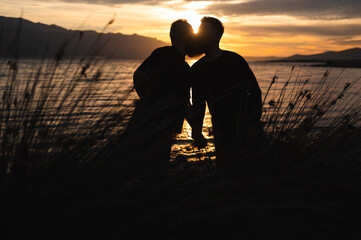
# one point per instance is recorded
(345, 55)
(349, 56)
(38, 40)
(345, 58)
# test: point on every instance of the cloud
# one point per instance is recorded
(292, 30)
(348, 42)
(310, 9)
(114, 2)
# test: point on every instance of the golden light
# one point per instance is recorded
(192, 15)
(194, 19)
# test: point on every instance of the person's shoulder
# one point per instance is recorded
(154, 58)
(169, 53)
(160, 54)
(162, 50)
(233, 55)
(235, 59)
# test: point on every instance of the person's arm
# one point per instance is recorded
(255, 99)
(147, 75)
(252, 93)
(195, 115)
(140, 81)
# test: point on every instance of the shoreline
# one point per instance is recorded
(324, 63)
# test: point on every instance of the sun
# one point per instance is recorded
(195, 20)
(192, 17)
(190, 13)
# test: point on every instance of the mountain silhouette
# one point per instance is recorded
(41, 40)
(345, 55)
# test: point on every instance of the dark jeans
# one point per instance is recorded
(232, 140)
(148, 140)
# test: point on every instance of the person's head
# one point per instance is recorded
(181, 32)
(210, 31)
(209, 34)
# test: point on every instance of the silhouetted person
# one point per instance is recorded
(162, 83)
(224, 80)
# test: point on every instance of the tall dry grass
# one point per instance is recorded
(54, 119)
(310, 112)
(306, 109)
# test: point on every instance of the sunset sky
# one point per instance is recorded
(252, 27)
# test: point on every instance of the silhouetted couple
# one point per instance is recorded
(222, 79)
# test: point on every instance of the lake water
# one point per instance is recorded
(116, 80)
